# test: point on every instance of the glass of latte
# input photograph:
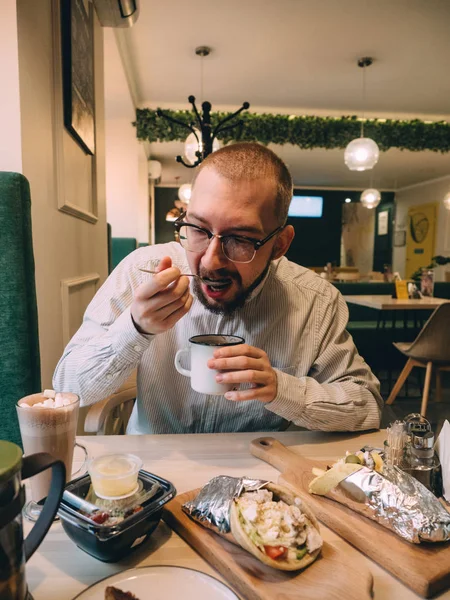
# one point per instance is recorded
(48, 423)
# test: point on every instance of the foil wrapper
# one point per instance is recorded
(397, 501)
(211, 507)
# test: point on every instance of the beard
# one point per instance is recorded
(228, 308)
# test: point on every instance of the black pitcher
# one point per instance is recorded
(14, 550)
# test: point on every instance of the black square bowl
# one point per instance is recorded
(111, 543)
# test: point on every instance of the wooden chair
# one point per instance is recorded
(431, 348)
(348, 276)
(110, 416)
(376, 276)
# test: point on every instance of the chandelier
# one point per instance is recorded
(362, 153)
(184, 196)
(202, 139)
(370, 198)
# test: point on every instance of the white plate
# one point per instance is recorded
(162, 582)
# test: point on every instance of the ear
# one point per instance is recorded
(283, 242)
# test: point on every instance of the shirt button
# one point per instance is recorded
(137, 348)
(109, 376)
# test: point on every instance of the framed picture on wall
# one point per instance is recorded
(77, 42)
(400, 238)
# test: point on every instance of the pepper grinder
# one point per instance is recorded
(422, 461)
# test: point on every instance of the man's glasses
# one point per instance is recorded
(237, 248)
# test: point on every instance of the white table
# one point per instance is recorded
(386, 302)
(59, 570)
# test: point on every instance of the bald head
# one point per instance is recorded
(248, 161)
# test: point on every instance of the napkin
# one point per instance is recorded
(442, 448)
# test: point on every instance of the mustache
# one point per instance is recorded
(219, 274)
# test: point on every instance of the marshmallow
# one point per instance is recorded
(49, 393)
(59, 401)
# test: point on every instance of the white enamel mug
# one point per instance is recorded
(201, 349)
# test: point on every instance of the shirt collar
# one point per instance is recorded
(258, 289)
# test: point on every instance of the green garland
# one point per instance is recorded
(305, 132)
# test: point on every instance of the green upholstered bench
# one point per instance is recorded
(121, 247)
(19, 340)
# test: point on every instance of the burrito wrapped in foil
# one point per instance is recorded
(394, 499)
(265, 519)
(211, 507)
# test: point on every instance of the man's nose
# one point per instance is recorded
(213, 257)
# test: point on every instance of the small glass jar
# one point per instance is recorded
(427, 283)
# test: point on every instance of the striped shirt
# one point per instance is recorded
(295, 316)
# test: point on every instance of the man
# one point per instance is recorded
(298, 364)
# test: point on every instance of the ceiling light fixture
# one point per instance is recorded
(202, 139)
(370, 198)
(362, 153)
(184, 195)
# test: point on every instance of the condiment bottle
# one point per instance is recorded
(422, 461)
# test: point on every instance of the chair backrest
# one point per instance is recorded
(110, 416)
(433, 342)
(348, 276)
(19, 339)
(376, 276)
(346, 270)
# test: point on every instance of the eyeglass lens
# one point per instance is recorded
(235, 249)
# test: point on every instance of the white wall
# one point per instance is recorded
(11, 144)
(426, 193)
(127, 194)
(70, 253)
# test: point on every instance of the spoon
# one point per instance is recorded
(184, 274)
(152, 272)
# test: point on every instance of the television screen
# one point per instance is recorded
(306, 206)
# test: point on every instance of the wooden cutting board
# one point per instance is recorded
(336, 574)
(425, 568)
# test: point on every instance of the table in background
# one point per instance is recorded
(387, 303)
(59, 570)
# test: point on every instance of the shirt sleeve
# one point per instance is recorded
(107, 347)
(340, 392)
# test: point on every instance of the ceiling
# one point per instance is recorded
(298, 57)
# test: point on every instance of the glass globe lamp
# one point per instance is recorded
(447, 201)
(184, 193)
(191, 146)
(370, 198)
(361, 154)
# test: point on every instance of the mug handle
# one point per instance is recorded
(178, 366)
(32, 465)
(83, 466)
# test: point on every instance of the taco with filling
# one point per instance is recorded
(277, 527)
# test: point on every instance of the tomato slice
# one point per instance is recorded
(275, 551)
